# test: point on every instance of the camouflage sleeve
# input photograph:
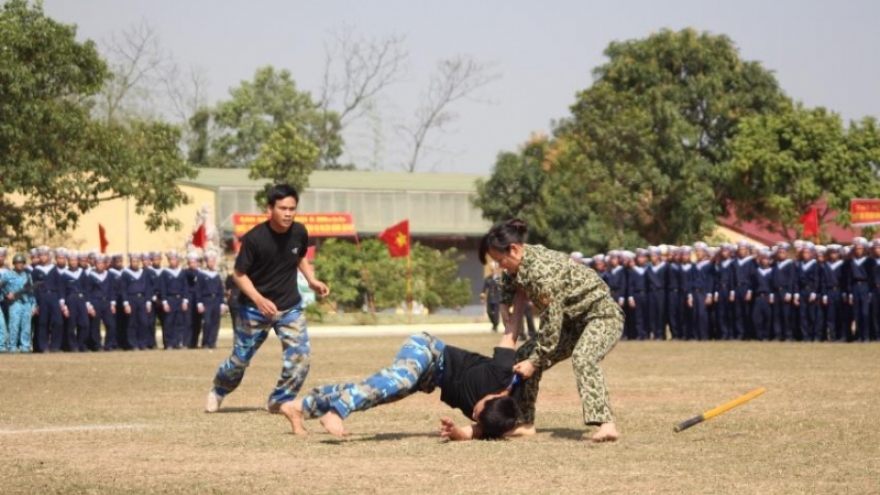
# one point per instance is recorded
(547, 337)
(508, 289)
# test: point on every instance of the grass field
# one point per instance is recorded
(133, 423)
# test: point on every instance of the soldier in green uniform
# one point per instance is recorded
(578, 320)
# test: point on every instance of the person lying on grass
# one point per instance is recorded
(478, 385)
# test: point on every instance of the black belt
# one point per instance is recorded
(861, 282)
(742, 285)
(102, 298)
(762, 294)
(76, 294)
(176, 296)
(210, 296)
(137, 294)
(638, 292)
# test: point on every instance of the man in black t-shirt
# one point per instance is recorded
(265, 272)
(477, 385)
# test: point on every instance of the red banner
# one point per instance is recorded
(864, 212)
(318, 224)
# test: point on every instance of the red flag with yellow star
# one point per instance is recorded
(396, 238)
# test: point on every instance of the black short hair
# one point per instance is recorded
(498, 417)
(281, 191)
(502, 235)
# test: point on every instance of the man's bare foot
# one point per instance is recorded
(292, 410)
(607, 433)
(332, 422)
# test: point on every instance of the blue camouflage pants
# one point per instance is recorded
(290, 327)
(418, 366)
(4, 333)
(20, 326)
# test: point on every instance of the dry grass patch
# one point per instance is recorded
(133, 423)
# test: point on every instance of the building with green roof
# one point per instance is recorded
(437, 206)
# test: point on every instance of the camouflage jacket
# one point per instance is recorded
(563, 292)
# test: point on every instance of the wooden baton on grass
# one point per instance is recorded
(711, 413)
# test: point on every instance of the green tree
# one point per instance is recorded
(367, 275)
(661, 114)
(261, 107)
(514, 188)
(285, 157)
(785, 163)
(58, 163)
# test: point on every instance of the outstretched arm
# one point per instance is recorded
(512, 317)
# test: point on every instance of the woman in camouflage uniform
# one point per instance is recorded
(578, 319)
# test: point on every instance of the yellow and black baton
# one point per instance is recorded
(711, 413)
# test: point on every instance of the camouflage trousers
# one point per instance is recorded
(290, 327)
(417, 367)
(586, 343)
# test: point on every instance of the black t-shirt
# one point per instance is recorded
(270, 260)
(468, 376)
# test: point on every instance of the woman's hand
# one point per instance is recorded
(525, 369)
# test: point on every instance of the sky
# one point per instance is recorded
(824, 53)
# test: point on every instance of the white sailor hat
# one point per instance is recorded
(172, 255)
(211, 254)
(3, 251)
(642, 252)
(193, 255)
(833, 247)
(576, 255)
(821, 249)
(61, 252)
(701, 245)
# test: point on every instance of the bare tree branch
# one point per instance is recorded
(356, 69)
(137, 61)
(455, 79)
(186, 92)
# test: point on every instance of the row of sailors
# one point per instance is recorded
(78, 292)
(739, 292)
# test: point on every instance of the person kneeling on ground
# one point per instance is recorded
(477, 385)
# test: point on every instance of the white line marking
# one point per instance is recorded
(67, 429)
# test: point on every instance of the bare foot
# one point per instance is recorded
(607, 433)
(292, 410)
(332, 422)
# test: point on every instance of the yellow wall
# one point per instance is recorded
(128, 232)
(732, 236)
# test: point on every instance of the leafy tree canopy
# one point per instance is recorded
(59, 163)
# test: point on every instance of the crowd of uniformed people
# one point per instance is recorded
(59, 300)
(799, 291)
